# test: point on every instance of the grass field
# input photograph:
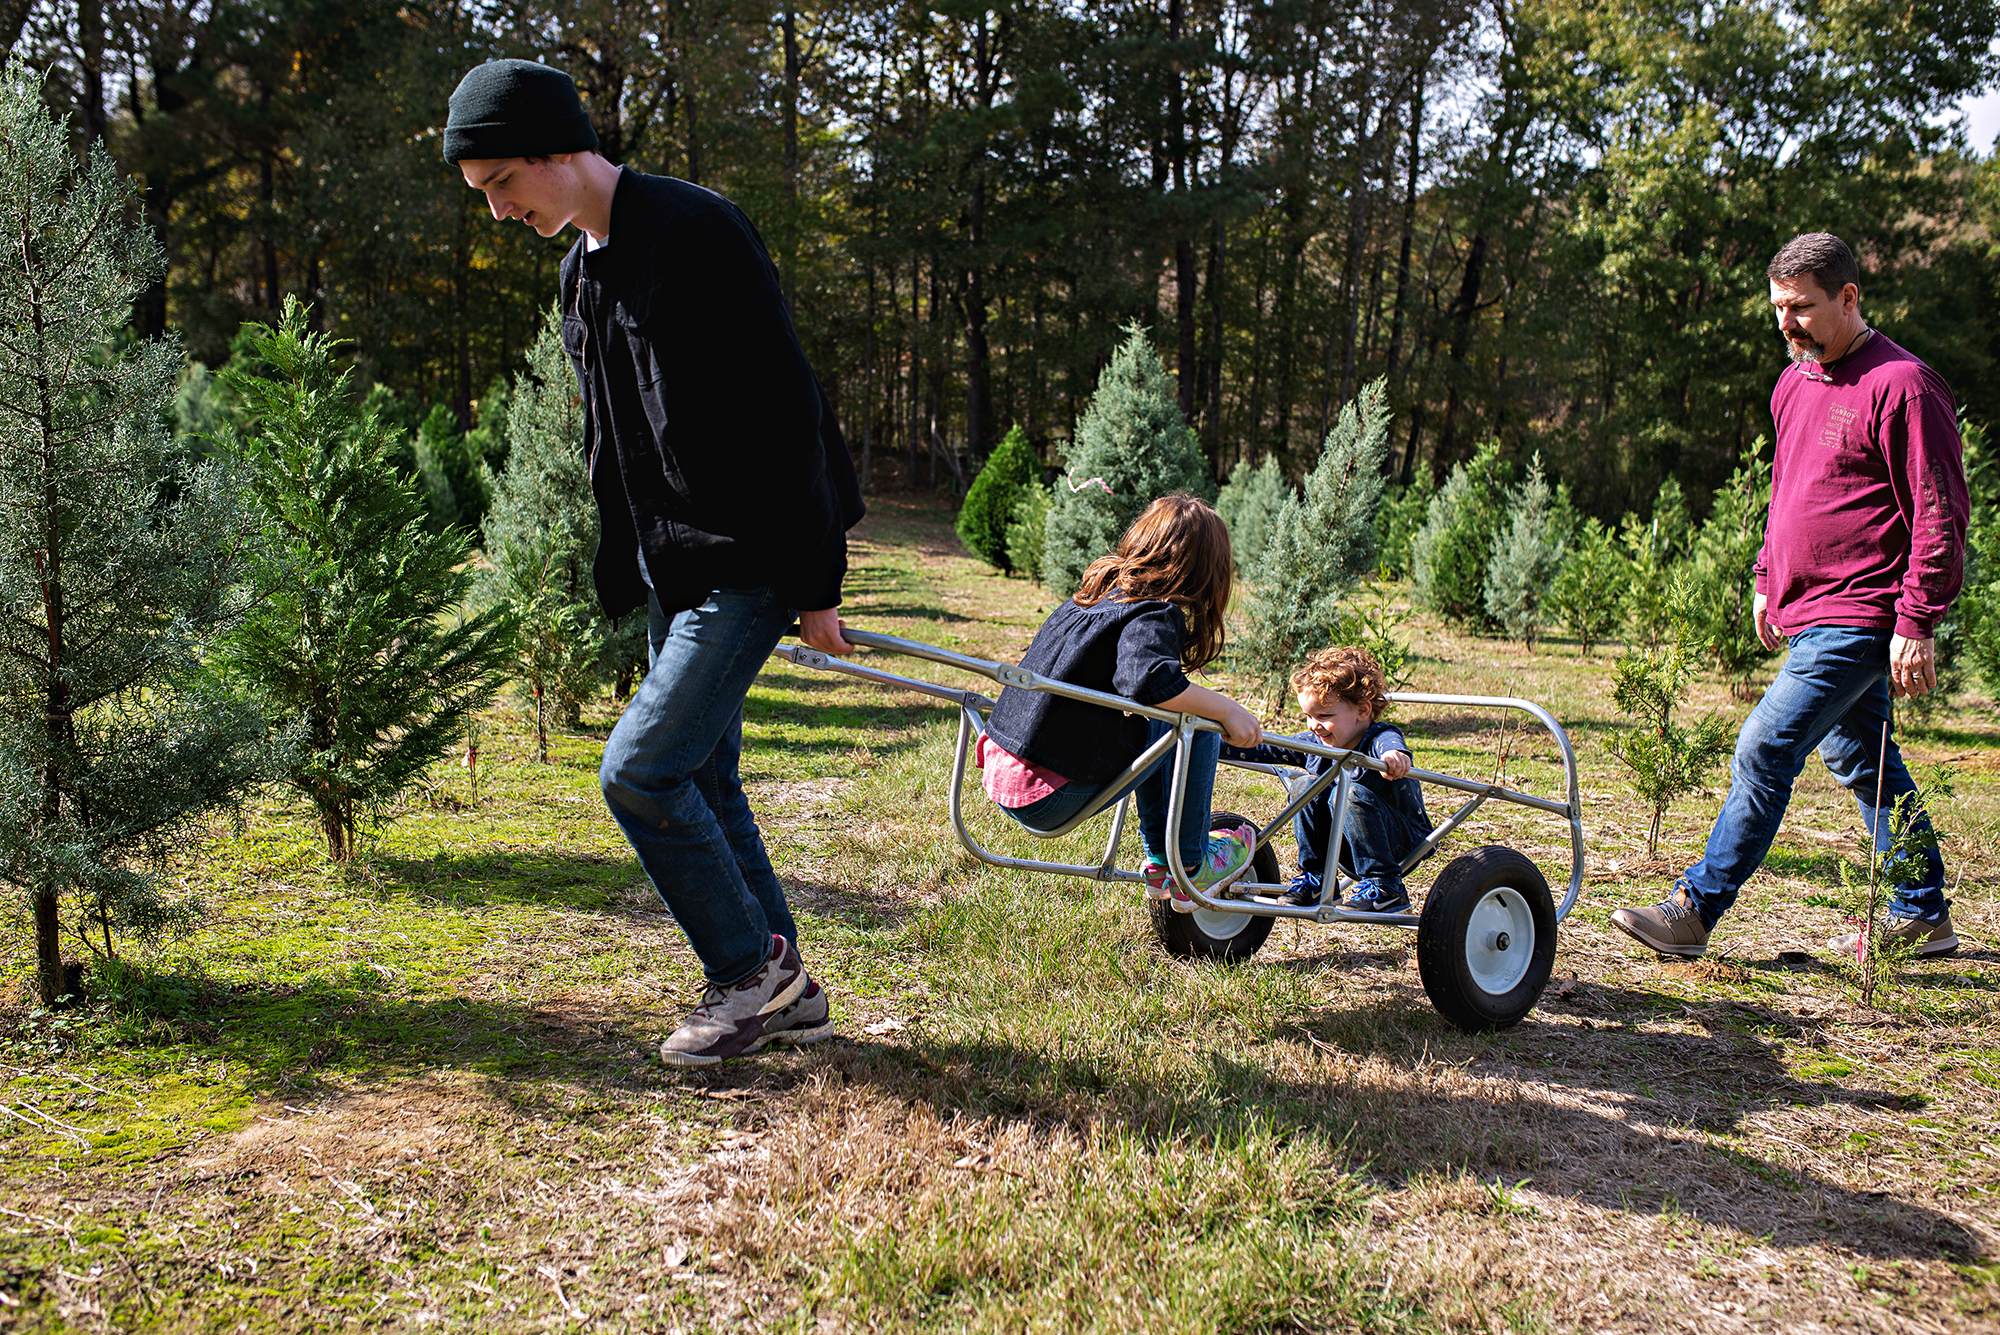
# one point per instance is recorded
(420, 1092)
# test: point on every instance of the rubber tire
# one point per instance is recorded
(1442, 930)
(1183, 938)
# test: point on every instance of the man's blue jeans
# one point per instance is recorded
(670, 778)
(1833, 694)
(1149, 795)
(1379, 834)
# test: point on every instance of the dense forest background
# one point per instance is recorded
(1545, 222)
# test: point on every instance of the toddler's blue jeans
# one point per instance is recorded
(1379, 834)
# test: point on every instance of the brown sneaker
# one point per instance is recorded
(1932, 938)
(1671, 927)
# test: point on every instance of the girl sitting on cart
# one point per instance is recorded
(1143, 618)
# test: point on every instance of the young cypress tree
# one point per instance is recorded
(1320, 543)
(359, 637)
(989, 501)
(118, 561)
(1448, 555)
(1132, 446)
(1588, 594)
(1667, 761)
(1249, 504)
(540, 536)
(456, 481)
(1969, 636)
(1403, 512)
(1655, 550)
(1526, 556)
(1027, 528)
(1724, 565)
(487, 443)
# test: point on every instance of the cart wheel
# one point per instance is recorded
(1206, 934)
(1486, 942)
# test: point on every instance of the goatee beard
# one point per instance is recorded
(1811, 350)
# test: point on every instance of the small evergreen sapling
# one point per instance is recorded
(1448, 555)
(1132, 446)
(1654, 551)
(989, 501)
(540, 537)
(119, 558)
(1667, 761)
(1724, 566)
(1588, 594)
(1028, 526)
(455, 479)
(1967, 640)
(1526, 556)
(1878, 958)
(1249, 504)
(1321, 542)
(359, 637)
(1403, 512)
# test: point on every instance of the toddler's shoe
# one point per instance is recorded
(1306, 891)
(1157, 878)
(1374, 897)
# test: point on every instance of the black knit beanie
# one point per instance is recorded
(516, 109)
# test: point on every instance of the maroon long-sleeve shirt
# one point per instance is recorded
(1868, 501)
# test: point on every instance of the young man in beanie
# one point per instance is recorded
(1863, 553)
(724, 494)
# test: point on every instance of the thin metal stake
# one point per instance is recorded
(1874, 850)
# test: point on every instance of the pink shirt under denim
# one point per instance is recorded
(1011, 781)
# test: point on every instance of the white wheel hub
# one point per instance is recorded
(1499, 940)
(1221, 926)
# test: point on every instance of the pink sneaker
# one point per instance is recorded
(1157, 878)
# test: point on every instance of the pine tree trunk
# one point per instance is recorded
(541, 725)
(90, 34)
(868, 392)
(1462, 313)
(56, 715)
(335, 829)
(788, 112)
(977, 357)
(1396, 367)
(48, 947)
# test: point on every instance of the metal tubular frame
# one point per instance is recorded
(974, 707)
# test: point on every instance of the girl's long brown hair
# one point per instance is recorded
(1178, 552)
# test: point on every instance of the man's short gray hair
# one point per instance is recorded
(1821, 254)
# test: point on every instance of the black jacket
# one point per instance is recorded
(1129, 649)
(709, 439)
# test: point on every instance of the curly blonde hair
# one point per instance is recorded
(1346, 671)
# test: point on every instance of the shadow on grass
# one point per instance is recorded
(1398, 1093)
(1398, 1132)
(574, 880)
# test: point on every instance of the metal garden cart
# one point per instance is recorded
(1486, 936)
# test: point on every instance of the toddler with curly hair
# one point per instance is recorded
(1343, 692)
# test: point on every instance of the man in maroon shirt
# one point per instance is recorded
(1863, 553)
